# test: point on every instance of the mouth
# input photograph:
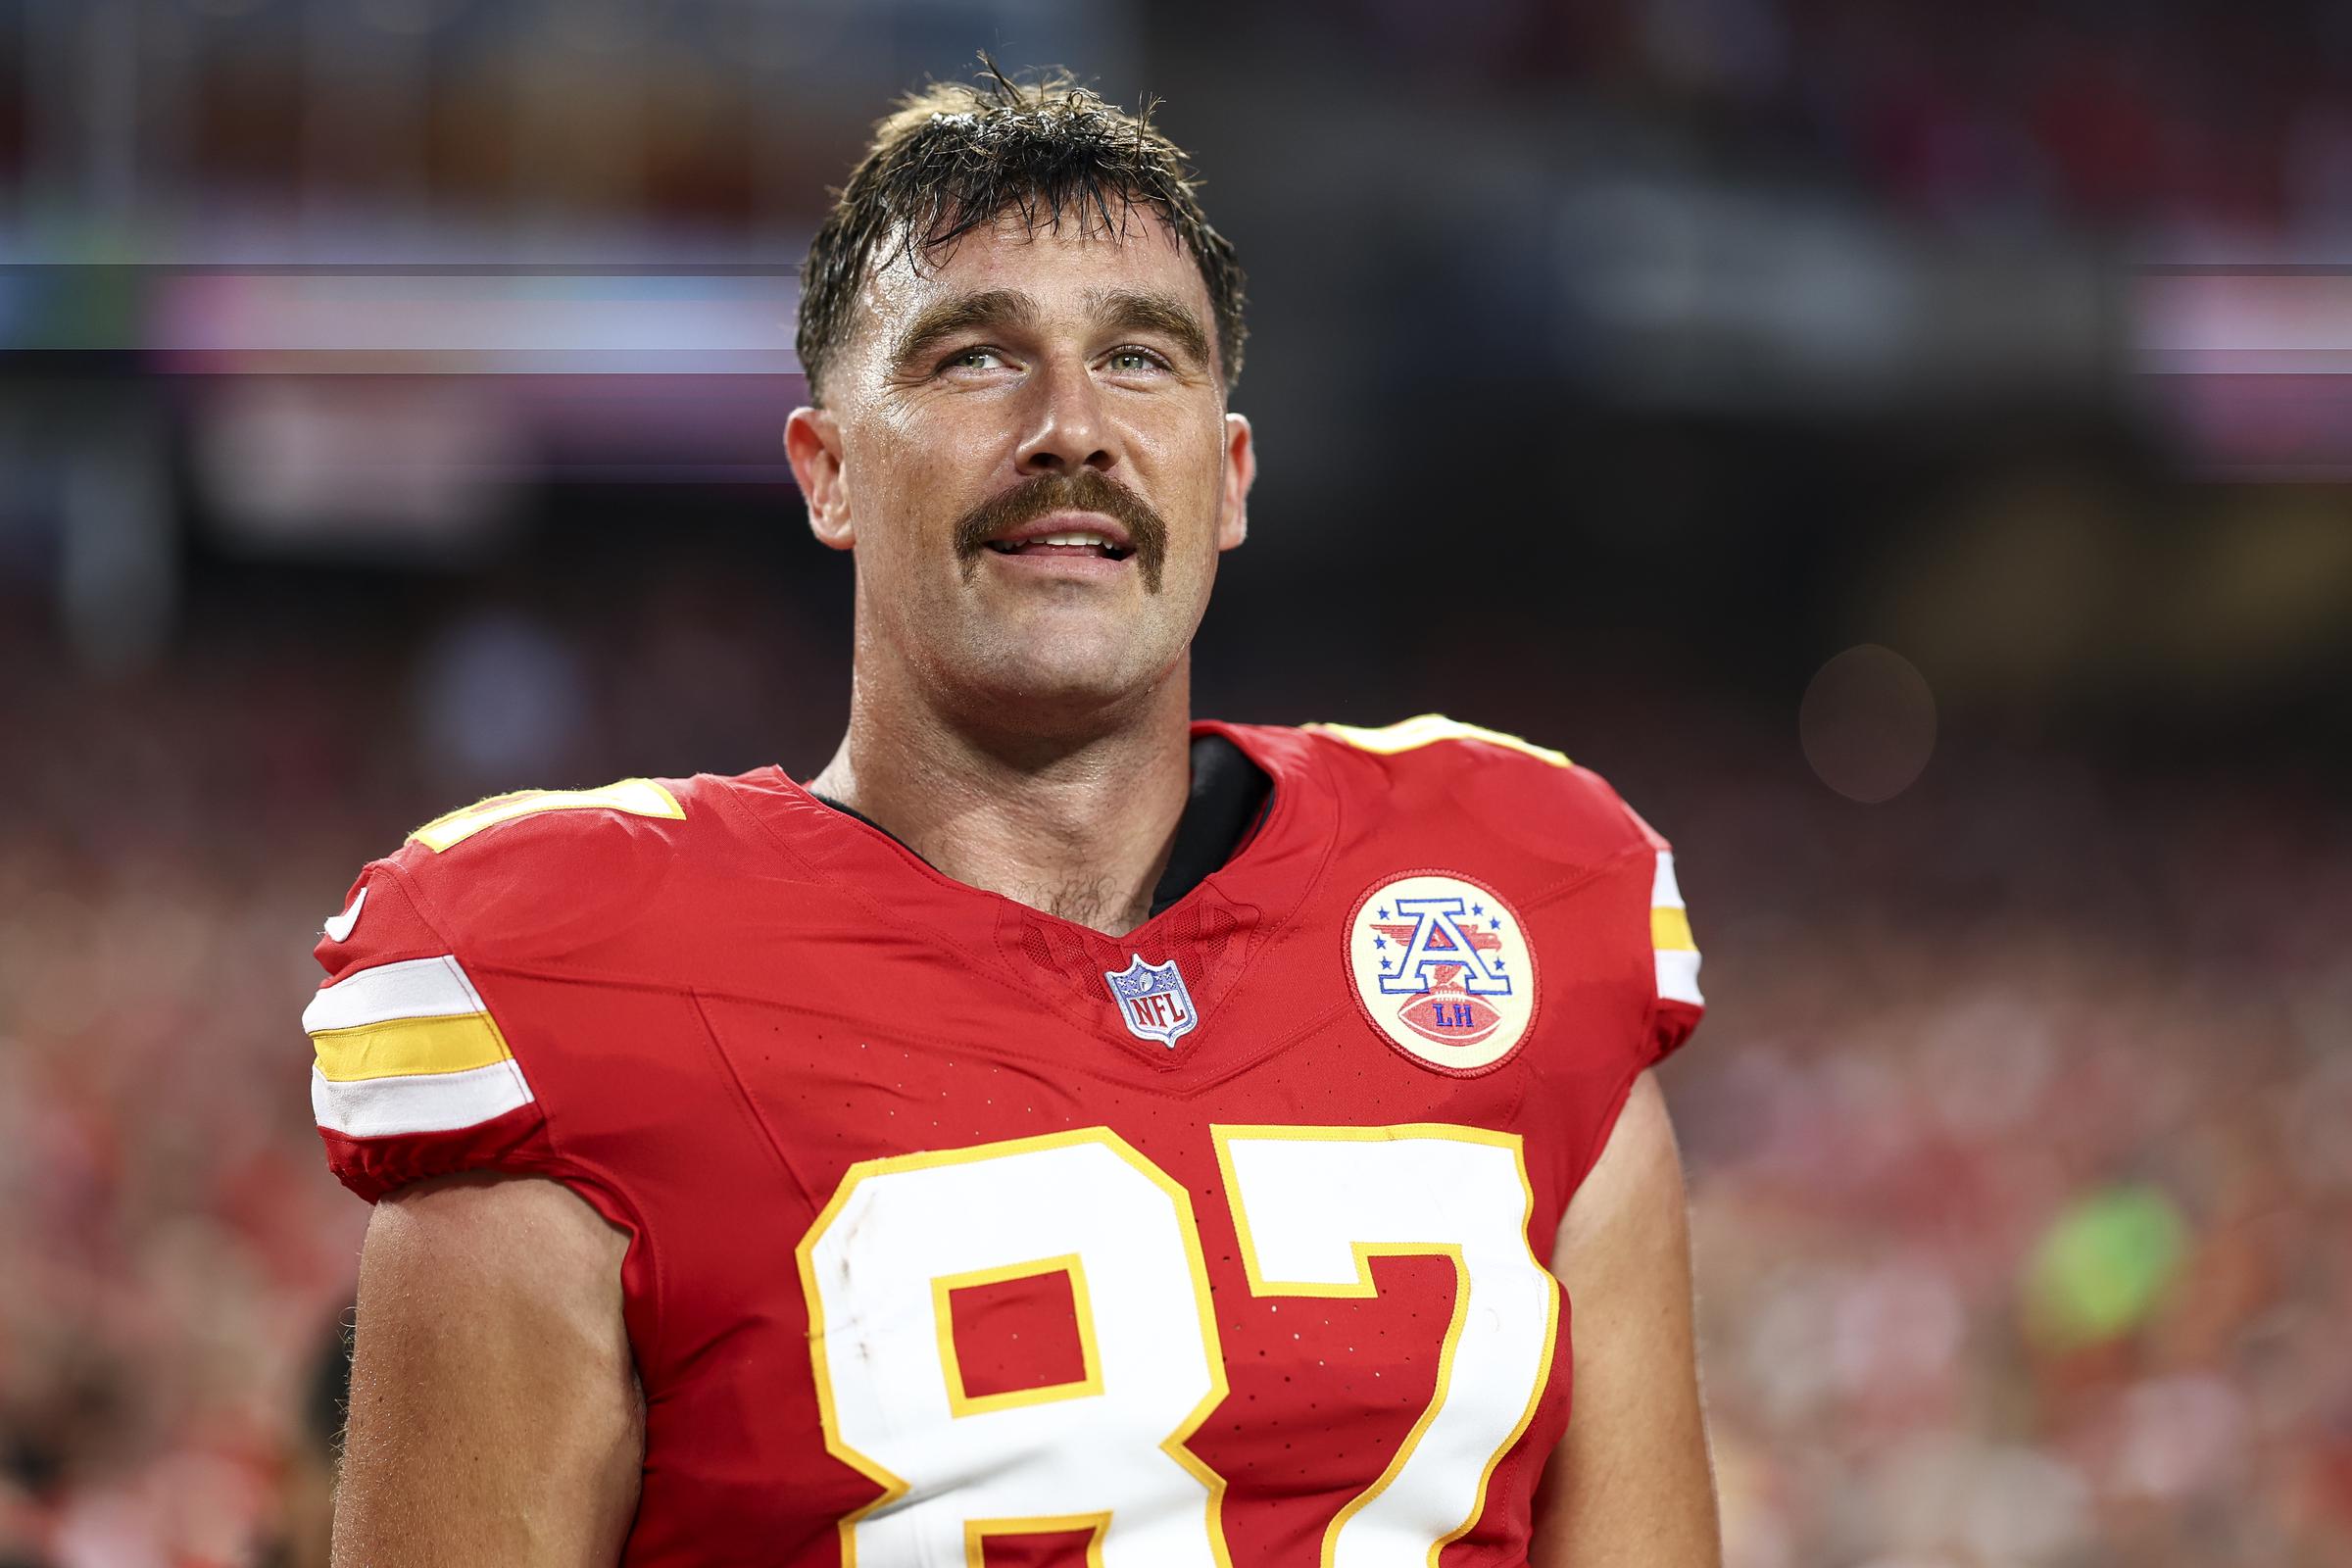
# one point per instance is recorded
(1057, 531)
(1066, 535)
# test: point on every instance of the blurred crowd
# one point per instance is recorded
(2194, 117)
(2022, 1141)
(2187, 118)
(2020, 1133)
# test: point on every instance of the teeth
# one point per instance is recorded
(1084, 541)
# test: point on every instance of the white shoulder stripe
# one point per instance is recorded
(437, 1102)
(414, 987)
(1678, 976)
(1664, 892)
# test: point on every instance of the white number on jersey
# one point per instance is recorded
(1312, 1205)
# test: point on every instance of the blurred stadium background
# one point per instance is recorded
(1903, 445)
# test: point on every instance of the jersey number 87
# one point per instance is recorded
(1311, 1206)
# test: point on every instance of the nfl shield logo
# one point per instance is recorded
(1153, 1001)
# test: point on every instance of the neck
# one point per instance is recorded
(1077, 822)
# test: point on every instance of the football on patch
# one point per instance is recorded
(1451, 1017)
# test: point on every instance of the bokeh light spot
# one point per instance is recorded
(1868, 723)
(2102, 1266)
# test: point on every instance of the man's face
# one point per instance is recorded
(1026, 443)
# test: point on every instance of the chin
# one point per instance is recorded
(1072, 674)
(1059, 681)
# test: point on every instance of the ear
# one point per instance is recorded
(812, 443)
(1241, 469)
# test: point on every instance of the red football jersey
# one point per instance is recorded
(961, 1233)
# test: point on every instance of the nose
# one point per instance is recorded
(1069, 429)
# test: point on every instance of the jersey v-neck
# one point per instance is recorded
(1235, 888)
(1227, 802)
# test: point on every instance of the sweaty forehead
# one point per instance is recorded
(1063, 269)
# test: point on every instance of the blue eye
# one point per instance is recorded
(1135, 359)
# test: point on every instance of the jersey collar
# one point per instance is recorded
(1241, 872)
(1229, 798)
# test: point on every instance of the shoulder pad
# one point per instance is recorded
(1427, 729)
(1529, 794)
(635, 797)
(1555, 813)
(542, 873)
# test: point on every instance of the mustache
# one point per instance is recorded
(1086, 490)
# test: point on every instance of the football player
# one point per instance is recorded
(1061, 1130)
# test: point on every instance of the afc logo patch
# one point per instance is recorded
(1153, 1001)
(1441, 967)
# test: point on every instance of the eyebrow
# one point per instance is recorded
(1127, 309)
(936, 322)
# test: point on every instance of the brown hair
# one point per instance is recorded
(957, 154)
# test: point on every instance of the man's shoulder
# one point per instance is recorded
(1431, 769)
(540, 869)
(502, 959)
(1437, 801)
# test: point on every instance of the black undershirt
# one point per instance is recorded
(1228, 797)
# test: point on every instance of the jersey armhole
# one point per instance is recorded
(1667, 1019)
(1621, 1090)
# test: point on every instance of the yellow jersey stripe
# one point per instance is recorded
(1675, 952)
(410, 1048)
(1669, 931)
(638, 796)
(1427, 729)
